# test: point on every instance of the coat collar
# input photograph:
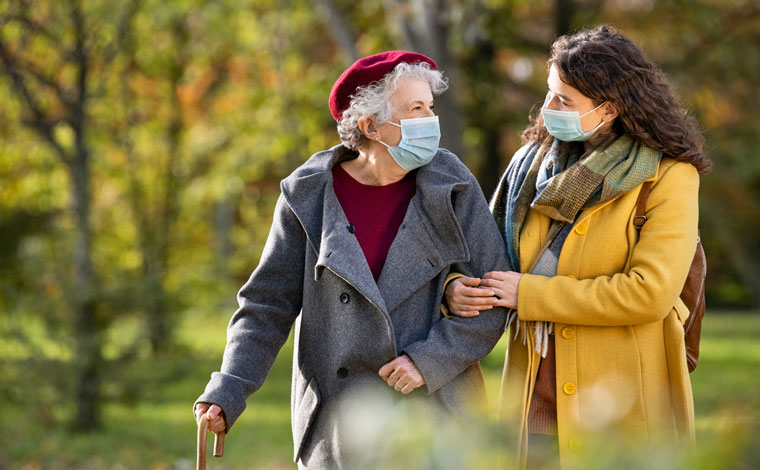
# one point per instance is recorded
(589, 211)
(428, 240)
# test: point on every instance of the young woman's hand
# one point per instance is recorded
(504, 285)
(466, 299)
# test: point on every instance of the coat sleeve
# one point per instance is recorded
(269, 303)
(455, 343)
(659, 266)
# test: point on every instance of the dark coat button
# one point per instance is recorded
(344, 298)
(342, 373)
(351, 228)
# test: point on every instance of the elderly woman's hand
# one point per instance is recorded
(213, 413)
(465, 299)
(402, 375)
(504, 285)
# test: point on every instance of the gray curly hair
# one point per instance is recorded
(374, 100)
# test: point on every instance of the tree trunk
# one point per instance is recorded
(424, 25)
(342, 35)
(88, 329)
(160, 323)
(563, 16)
(741, 253)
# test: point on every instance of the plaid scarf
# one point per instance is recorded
(561, 186)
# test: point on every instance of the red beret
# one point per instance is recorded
(365, 72)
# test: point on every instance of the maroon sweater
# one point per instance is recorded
(374, 212)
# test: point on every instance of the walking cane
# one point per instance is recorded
(202, 435)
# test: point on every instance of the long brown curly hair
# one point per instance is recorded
(605, 65)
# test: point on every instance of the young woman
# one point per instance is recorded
(596, 347)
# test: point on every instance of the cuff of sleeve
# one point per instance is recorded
(525, 286)
(430, 371)
(532, 307)
(444, 306)
(228, 393)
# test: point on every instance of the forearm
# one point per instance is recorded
(454, 344)
(269, 304)
(621, 299)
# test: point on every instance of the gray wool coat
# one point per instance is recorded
(313, 274)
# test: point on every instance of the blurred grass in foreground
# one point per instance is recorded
(156, 431)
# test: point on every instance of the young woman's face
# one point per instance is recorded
(563, 97)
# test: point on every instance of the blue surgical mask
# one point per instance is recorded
(566, 125)
(419, 142)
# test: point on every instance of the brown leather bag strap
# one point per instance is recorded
(641, 206)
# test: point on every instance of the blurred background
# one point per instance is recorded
(141, 147)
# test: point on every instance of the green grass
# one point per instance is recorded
(155, 429)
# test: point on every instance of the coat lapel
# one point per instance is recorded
(310, 194)
(341, 253)
(413, 260)
(428, 241)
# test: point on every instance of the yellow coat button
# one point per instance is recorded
(571, 276)
(574, 443)
(581, 229)
(569, 388)
(568, 332)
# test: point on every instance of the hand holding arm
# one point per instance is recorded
(466, 299)
(504, 285)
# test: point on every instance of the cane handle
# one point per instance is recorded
(202, 439)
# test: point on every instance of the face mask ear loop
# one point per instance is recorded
(597, 127)
(392, 123)
(593, 131)
(591, 111)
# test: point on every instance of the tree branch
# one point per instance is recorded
(122, 31)
(39, 121)
(338, 28)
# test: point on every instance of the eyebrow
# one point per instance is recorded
(564, 97)
(410, 103)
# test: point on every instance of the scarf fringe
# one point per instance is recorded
(541, 331)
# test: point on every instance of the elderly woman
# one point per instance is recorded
(363, 237)
(596, 363)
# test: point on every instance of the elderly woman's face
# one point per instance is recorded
(413, 99)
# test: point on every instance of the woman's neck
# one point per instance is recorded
(603, 137)
(374, 166)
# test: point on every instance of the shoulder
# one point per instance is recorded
(443, 175)
(309, 178)
(318, 163)
(675, 185)
(672, 171)
(448, 163)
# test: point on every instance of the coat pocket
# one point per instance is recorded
(305, 412)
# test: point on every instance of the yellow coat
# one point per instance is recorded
(620, 361)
